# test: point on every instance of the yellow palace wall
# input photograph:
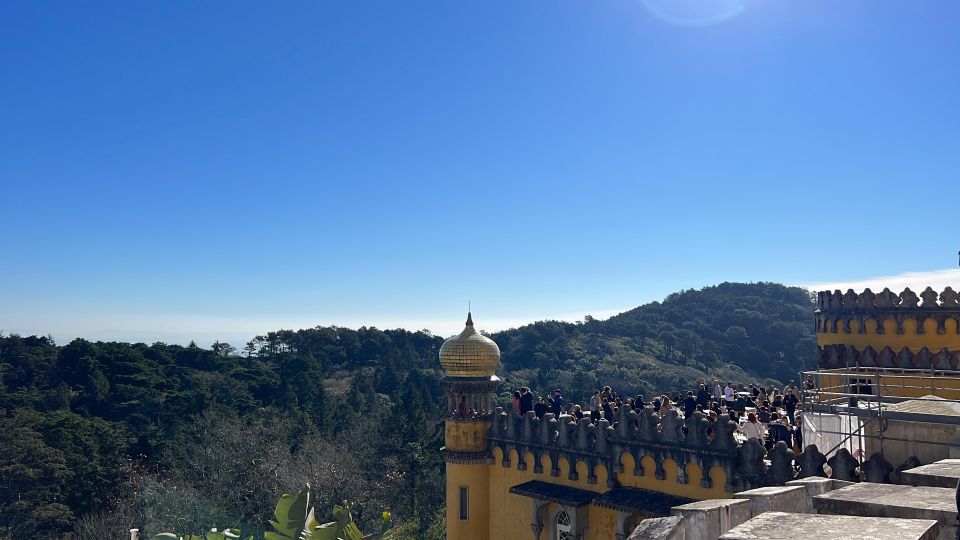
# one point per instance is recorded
(909, 338)
(509, 515)
(891, 384)
(476, 478)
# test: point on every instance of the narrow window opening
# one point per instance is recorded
(564, 526)
(464, 514)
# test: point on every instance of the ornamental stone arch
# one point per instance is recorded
(568, 523)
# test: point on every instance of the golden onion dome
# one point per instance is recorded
(469, 354)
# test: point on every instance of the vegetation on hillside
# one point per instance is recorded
(183, 438)
(733, 331)
(105, 436)
(295, 519)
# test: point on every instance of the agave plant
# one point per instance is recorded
(295, 520)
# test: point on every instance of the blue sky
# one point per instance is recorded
(186, 170)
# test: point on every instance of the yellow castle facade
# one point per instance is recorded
(509, 477)
(559, 478)
(895, 342)
(892, 361)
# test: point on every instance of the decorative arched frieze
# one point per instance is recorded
(675, 445)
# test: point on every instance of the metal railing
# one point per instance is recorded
(869, 393)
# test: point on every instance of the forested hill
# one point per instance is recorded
(97, 438)
(736, 331)
(100, 437)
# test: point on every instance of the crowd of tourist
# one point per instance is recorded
(765, 413)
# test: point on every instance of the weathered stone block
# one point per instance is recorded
(779, 525)
(816, 485)
(944, 473)
(707, 520)
(663, 528)
(774, 499)
(890, 500)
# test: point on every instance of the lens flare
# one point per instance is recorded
(694, 12)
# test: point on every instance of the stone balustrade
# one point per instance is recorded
(641, 435)
(836, 310)
(746, 466)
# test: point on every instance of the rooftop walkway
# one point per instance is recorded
(923, 508)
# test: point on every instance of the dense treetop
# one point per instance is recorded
(736, 331)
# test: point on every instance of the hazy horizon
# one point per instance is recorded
(188, 326)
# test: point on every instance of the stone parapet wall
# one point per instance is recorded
(746, 466)
(889, 330)
(640, 435)
(836, 311)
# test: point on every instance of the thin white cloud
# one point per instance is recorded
(917, 281)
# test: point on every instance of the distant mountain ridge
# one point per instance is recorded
(738, 331)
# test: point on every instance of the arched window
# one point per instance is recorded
(564, 526)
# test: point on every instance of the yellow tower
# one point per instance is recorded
(893, 339)
(469, 361)
(892, 357)
(889, 330)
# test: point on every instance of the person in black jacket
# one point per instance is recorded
(526, 400)
(798, 434)
(540, 408)
(607, 410)
(763, 413)
(556, 404)
(689, 404)
(790, 404)
(703, 396)
(715, 407)
(778, 431)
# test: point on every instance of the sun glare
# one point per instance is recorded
(694, 12)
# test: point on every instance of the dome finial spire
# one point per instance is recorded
(469, 315)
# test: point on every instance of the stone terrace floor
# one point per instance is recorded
(783, 525)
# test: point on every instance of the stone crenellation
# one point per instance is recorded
(836, 310)
(746, 466)
(641, 435)
(840, 356)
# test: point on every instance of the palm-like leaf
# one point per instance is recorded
(295, 520)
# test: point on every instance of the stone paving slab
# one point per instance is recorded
(890, 500)
(784, 525)
(944, 473)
